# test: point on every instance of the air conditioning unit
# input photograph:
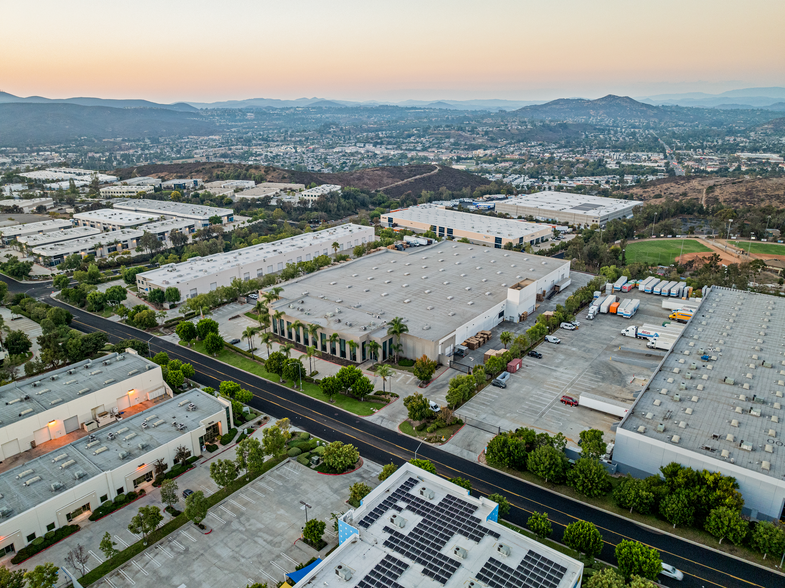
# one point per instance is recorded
(343, 573)
(503, 549)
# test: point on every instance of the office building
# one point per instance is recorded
(31, 241)
(108, 219)
(445, 293)
(67, 484)
(169, 209)
(311, 195)
(716, 401)
(99, 245)
(204, 274)
(451, 224)
(572, 209)
(418, 530)
(121, 191)
(27, 205)
(182, 184)
(11, 233)
(270, 189)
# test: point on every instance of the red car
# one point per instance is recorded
(569, 401)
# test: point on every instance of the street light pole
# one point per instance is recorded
(652, 224)
(306, 506)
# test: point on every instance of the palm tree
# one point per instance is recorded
(287, 348)
(397, 327)
(384, 371)
(333, 339)
(273, 294)
(313, 332)
(310, 351)
(506, 337)
(336, 246)
(297, 328)
(248, 334)
(266, 339)
(277, 316)
(352, 349)
(373, 348)
(3, 329)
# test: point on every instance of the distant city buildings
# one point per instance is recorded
(120, 191)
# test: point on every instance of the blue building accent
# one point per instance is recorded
(493, 515)
(345, 530)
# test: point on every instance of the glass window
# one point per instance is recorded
(30, 537)
(120, 490)
(104, 498)
(50, 527)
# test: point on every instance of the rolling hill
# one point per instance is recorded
(6, 98)
(609, 107)
(35, 124)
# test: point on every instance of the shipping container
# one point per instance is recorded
(606, 304)
(614, 307)
(651, 285)
(630, 308)
(619, 283)
(514, 365)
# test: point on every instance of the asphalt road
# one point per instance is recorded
(702, 567)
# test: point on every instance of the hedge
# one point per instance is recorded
(294, 452)
(111, 506)
(30, 550)
(211, 447)
(226, 439)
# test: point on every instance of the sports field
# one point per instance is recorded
(763, 248)
(662, 252)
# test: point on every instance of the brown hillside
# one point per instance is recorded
(393, 180)
(728, 191)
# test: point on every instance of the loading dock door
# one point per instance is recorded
(123, 402)
(71, 424)
(42, 436)
(10, 448)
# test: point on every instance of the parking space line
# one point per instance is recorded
(286, 557)
(140, 568)
(127, 577)
(178, 544)
(283, 571)
(90, 551)
(263, 485)
(212, 514)
(237, 504)
(120, 541)
(256, 492)
(108, 581)
(268, 576)
(247, 498)
(206, 491)
(188, 536)
(135, 535)
(226, 510)
(166, 553)
(152, 559)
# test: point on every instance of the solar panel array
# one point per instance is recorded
(535, 571)
(388, 503)
(384, 574)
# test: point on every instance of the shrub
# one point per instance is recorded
(132, 496)
(49, 535)
(319, 451)
(211, 448)
(120, 499)
(37, 541)
(226, 439)
(294, 452)
(303, 460)
(37, 546)
(304, 436)
(406, 362)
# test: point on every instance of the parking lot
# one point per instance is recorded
(595, 358)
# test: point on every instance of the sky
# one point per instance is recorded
(202, 51)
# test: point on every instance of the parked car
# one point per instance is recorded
(433, 406)
(567, 326)
(187, 492)
(253, 296)
(500, 381)
(535, 354)
(552, 339)
(234, 342)
(569, 401)
(576, 323)
(671, 572)
(461, 351)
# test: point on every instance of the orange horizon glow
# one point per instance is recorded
(362, 50)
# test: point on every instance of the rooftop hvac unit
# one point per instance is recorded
(35, 384)
(661, 428)
(57, 458)
(56, 486)
(68, 463)
(24, 474)
(32, 480)
(398, 521)
(5, 512)
(123, 454)
(766, 465)
(79, 474)
(427, 493)
(746, 446)
(343, 573)
(53, 377)
(142, 446)
(503, 549)
(460, 552)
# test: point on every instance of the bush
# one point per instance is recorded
(211, 448)
(319, 450)
(305, 445)
(294, 452)
(191, 460)
(37, 541)
(49, 535)
(120, 499)
(304, 436)
(132, 496)
(41, 543)
(406, 362)
(226, 439)
(241, 437)
(302, 459)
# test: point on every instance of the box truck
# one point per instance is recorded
(629, 309)
(416, 241)
(657, 290)
(628, 286)
(664, 343)
(681, 316)
(593, 310)
(619, 283)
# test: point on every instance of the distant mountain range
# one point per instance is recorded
(607, 107)
(743, 98)
(6, 98)
(325, 103)
(23, 124)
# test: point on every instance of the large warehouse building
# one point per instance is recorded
(99, 245)
(12, 232)
(195, 212)
(107, 219)
(725, 414)
(417, 530)
(445, 293)
(572, 209)
(55, 489)
(451, 224)
(204, 274)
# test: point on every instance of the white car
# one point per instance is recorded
(575, 323)
(671, 572)
(567, 326)
(552, 339)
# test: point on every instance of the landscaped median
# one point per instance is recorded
(136, 548)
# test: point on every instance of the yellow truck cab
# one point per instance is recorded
(680, 316)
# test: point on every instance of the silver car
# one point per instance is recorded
(671, 572)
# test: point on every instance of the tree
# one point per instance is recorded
(186, 330)
(213, 343)
(373, 349)
(638, 582)
(43, 576)
(215, 220)
(635, 559)
(460, 389)
(335, 246)
(77, 558)
(504, 504)
(589, 477)
(115, 295)
(95, 301)
(313, 532)
(150, 242)
(248, 334)
(17, 343)
(146, 521)
(635, 494)
(206, 326)
(592, 445)
(310, 351)
(539, 524)
(292, 370)
(384, 371)
(583, 537)
(169, 493)
(677, 508)
(396, 327)
(172, 295)
(229, 389)
(266, 339)
(548, 463)
(274, 440)
(768, 538)
(358, 491)
(463, 483)
(606, 578)
(330, 386)
(244, 396)
(244, 451)
(418, 407)
(387, 471)
(424, 369)
(145, 319)
(9, 579)
(339, 457)
(726, 522)
(107, 546)
(362, 387)
(196, 507)
(286, 349)
(423, 464)
(61, 281)
(223, 472)
(93, 274)
(505, 338)
(175, 379)
(156, 296)
(333, 340)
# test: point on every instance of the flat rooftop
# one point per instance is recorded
(63, 469)
(38, 394)
(435, 289)
(196, 211)
(744, 332)
(57, 236)
(86, 243)
(464, 221)
(32, 228)
(170, 224)
(198, 267)
(118, 217)
(418, 531)
(550, 200)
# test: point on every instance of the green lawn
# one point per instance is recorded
(763, 248)
(662, 252)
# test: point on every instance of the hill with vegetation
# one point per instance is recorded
(608, 107)
(733, 192)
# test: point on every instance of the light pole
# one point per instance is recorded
(416, 450)
(749, 249)
(306, 506)
(652, 225)
(766, 232)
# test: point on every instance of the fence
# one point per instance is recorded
(461, 367)
(478, 424)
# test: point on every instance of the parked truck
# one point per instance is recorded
(657, 290)
(639, 332)
(619, 284)
(629, 309)
(664, 343)
(593, 310)
(416, 241)
(597, 294)
(677, 290)
(646, 284)
(606, 304)
(628, 286)
(651, 285)
(681, 316)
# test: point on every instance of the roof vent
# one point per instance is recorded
(675, 439)
(32, 480)
(79, 474)
(766, 465)
(460, 552)
(56, 486)
(100, 450)
(343, 573)
(123, 454)
(57, 458)
(398, 521)
(503, 549)
(427, 493)
(67, 464)
(24, 474)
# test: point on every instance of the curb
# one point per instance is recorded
(361, 462)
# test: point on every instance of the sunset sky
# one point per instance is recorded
(200, 50)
